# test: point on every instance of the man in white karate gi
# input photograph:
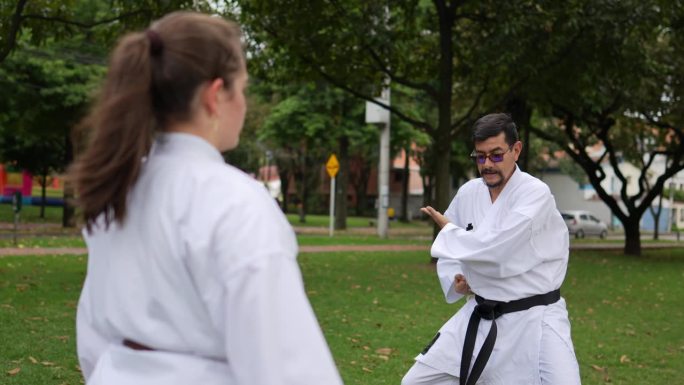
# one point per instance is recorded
(504, 241)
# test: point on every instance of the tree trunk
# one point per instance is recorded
(442, 135)
(69, 211)
(43, 185)
(405, 186)
(362, 188)
(427, 180)
(656, 216)
(301, 184)
(521, 114)
(13, 30)
(284, 175)
(632, 237)
(442, 182)
(341, 185)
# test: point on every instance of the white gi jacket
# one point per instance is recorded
(516, 247)
(204, 271)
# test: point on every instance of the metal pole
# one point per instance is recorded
(332, 204)
(383, 173)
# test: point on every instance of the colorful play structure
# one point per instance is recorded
(13, 180)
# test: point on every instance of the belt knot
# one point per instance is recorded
(488, 309)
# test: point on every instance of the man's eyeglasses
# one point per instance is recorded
(495, 157)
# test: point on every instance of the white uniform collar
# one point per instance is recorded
(515, 179)
(187, 144)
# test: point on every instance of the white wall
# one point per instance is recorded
(569, 196)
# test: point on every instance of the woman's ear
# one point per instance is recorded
(210, 96)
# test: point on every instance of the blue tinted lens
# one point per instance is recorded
(480, 159)
(496, 158)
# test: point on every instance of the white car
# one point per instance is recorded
(583, 223)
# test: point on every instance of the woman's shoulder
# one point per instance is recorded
(231, 181)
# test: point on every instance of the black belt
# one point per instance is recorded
(135, 345)
(491, 310)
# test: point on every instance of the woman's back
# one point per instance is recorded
(203, 271)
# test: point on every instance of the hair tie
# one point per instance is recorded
(156, 43)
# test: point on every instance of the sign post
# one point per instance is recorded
(332, 166)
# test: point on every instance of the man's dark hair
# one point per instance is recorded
(493, 125)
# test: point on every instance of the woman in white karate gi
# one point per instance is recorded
(503, 240)
(192, 273)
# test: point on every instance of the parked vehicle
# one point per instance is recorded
(582, 223)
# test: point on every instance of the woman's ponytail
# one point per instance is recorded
(122, 124)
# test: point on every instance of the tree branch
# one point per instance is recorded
(15, 26)
(467, 115)
(312, 63)
(584, 161)
(417, 123)
(380, 65)
(87, 25)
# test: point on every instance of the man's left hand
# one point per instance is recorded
(461, 285)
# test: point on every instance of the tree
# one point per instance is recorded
(358, 45)
(324, 121)
(464, 58)
(96, 23)
(47, 20)
(615, 89)
(35, 136)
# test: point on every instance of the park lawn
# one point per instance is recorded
(24, 241)
(31, 214)
(355, 222)
(378, 310)
(324, 240)
(50, 192)
(43, 241)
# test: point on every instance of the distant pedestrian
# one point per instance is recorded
(192, 273)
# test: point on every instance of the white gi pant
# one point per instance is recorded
(557, 366)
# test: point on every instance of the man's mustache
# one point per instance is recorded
(489, 171)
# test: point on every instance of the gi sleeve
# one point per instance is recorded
(270, 331)
(504, 249)
(447, 268)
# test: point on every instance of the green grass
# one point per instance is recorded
(31, 214)
(38, 297)
(323, 240)
(627, 316)
(378, 310)
(355, 222)
(50, 192)
(43, 241)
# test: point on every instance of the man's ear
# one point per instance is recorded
(517, 149)
(210, 96)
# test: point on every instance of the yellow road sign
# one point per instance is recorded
(333, 166)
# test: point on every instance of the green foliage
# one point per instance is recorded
(101, 21)
(44, 93)
(677, 194)
(251, 153)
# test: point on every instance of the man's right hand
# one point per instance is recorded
(461, 286)
(436, 216)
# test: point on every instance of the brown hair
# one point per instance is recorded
(151, 81)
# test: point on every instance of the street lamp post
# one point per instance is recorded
(380, 115)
